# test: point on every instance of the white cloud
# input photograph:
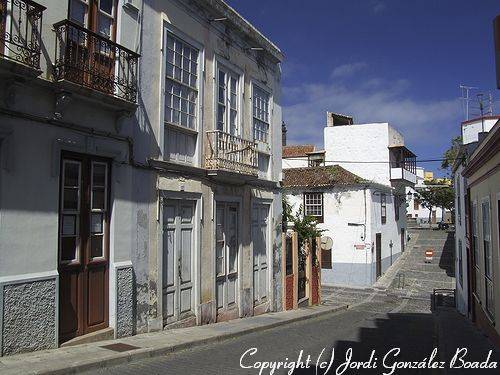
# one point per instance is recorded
(347, 70)
(379, 6)
(427, 124)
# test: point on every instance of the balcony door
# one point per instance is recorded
(3, 21)
(226, 262)
(260, 214)
(178, 260)
(83, 260)
(91, 56)
(228, 102)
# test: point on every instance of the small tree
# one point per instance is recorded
(451, 154)
(436, 196)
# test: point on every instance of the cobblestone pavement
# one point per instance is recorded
(377, 320)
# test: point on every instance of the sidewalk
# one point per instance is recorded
(455, 332)
(91, 356)
(385, 281)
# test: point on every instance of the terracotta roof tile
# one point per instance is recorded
(295, 151)
(328, 176)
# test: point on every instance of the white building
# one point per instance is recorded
(140, 160)
(358, 198)
(473, 131)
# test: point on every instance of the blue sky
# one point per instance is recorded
(400, 61)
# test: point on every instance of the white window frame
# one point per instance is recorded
(270, 108)
(383, 208)
(488, 279)
(320, 205)
(229, 69)
(104, 211)
(76, 213)
(198, 126)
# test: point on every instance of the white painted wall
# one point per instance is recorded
(360, 207)
(471, 129)
(294, 162)
(360, 143)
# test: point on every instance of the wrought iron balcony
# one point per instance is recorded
(89, 59)
(403, 165)
(20, 31)
(231, 153)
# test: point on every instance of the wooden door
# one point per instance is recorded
(260, 213)
(91, 58)
(83, 260)
(378, 255)
(226, 254)
(178, 260)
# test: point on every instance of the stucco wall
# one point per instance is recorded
(360, 143)
(294, 163)
(28, 315)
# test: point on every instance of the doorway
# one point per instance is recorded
(226, 260)
(403, 240)
(260, 214)
(83, 256)
(378, 254)
(178, 260)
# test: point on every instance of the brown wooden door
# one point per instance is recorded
(378, 255)
(93, 58)
(83, 245)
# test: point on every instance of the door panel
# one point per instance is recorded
(83, 245)
(226, 254)
(178, 260)
(260, 214)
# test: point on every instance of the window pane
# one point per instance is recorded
(69, 225)
(98, 199)
(70, 201)
(96, 248)
(106, 5)
(232, 258)
(71, 174)
(78, 12)
(68, 248)
(98, 174)
(96, 225)
(220, 258)
(105, 25)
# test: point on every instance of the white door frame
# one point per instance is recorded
(239, 285)
(198, 202)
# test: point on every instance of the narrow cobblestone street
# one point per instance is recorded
(377, 319)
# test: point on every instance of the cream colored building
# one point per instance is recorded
(483, 183)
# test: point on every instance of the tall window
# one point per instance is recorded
(313, 205)
(227, 101)
(416, 204)
(383, 208)
(488, 260)
(260, 103)
(397, 205)
(475, 247)
(460, 263)
(181, 99)
(95, 15)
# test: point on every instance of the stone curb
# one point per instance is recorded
(144, 353)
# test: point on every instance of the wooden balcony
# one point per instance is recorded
(230, 153)
(91, 60)
(20, 31)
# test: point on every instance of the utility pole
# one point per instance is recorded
(481, 109)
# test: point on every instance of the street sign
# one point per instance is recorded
(429, 253)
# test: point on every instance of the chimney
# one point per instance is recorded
(496, 28)
(283, 134)
(329, 119)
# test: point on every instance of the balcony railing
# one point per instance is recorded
(91, 60)
(231, 153)
(20, 31)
